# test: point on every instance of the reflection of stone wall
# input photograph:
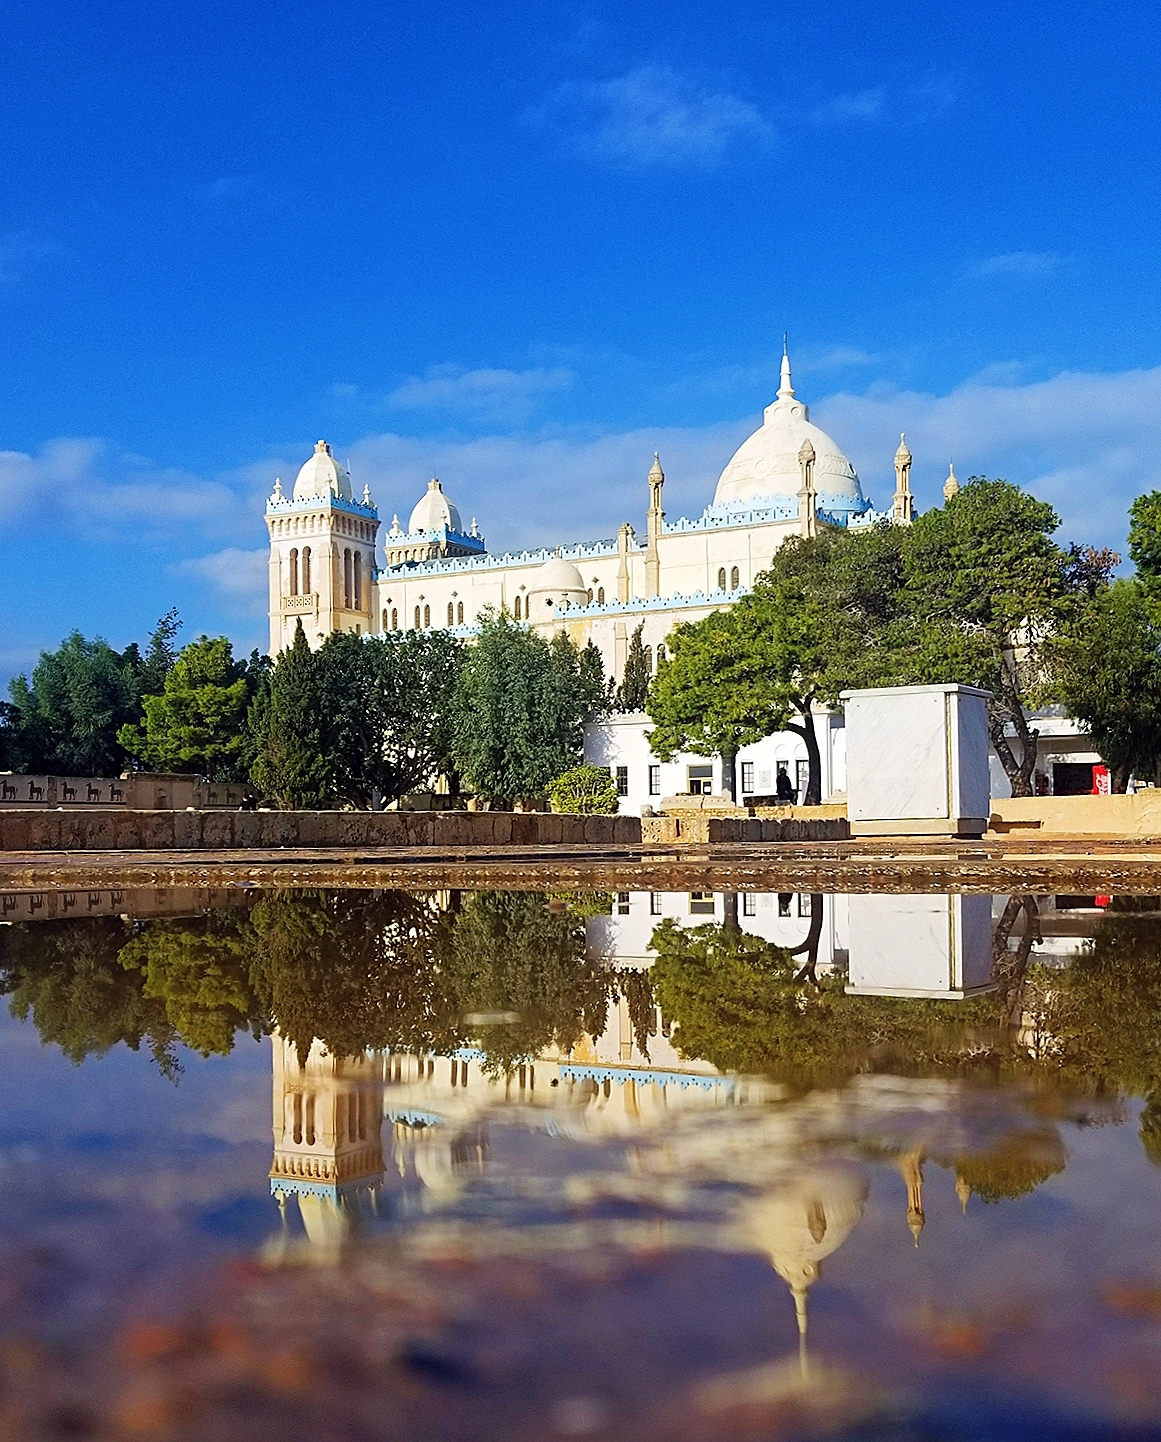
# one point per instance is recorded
(193, 830)
(137, 902)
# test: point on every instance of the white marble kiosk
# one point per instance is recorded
(917, 761)
(938, 947)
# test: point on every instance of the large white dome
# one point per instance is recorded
(435, 512)
(322, 476)
(767, 464)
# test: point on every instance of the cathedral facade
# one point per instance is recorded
(787, 479)
(325, 568)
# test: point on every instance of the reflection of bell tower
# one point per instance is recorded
(328, 1151)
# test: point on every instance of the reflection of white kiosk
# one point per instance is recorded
(920, 946)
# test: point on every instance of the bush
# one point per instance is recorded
(584, 791)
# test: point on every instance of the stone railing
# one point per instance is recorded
(137, 791)
(300, 605)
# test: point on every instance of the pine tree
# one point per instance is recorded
(290, 766)
(634, 687)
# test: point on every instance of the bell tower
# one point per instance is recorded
(322, 554)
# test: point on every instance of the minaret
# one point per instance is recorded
(963, 1190)
(624, 542)
(911, 1168)
(951, 485)
(902, 500)
(653, 529)
(807, 497)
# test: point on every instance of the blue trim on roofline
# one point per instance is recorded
(571, 1071)
(288, 506)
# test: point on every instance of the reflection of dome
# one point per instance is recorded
(434, 512)
(804, 1220)
(322, 476)
(767, 464)
(556, 584)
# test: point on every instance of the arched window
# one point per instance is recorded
(395, 618)
(734, 579)
(722, 579)
(294, 572)
(660, 654)
(460, 613)
(590, 595)
(358, 586)
(427, 615)
(306, 570)
(649, 657)
(451, 614)
(516, 608)
(386, 618)
(417, 618)
(347, 579)
(600, 595)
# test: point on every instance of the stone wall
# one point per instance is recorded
(1126, 816)
(660, 830)
(229, 830)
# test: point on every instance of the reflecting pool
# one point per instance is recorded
(619, 1165)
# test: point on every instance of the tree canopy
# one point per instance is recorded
(520, 709)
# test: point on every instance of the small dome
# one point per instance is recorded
(556, 584)
(322, 476)
(767, 464)
(435, 512)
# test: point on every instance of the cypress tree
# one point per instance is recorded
(289, 765)
(634, 685)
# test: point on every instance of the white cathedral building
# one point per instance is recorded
(785, 480)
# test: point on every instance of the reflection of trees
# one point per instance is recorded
(509, 952)
(68, 977)
(1014, 1167)
(358, 970)
(744, 1004)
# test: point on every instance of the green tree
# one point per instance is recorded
(1145, 543)
(584, 791)
(386, 724)
(985, 589)
(1106, 671)
(634, 687)
(198, 722)
(708, 697)
(520, 709)
(288, 765)
(67, 718)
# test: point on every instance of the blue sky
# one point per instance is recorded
(521, 246)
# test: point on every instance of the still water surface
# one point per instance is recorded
(612, 1165)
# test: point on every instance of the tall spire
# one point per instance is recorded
(785, 389)
(902, 502)
(951, 485)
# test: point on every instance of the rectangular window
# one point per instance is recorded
(701, 903)
(701, 780)
(655, 781)
(655, 903)
(749, 903)
(802, 776)
(622, 781)
(805, 904)
(748, 778)
(622, 903)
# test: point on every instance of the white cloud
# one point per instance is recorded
(648, 117)
(541, 489)
(1087, 442)
(487, 395)
(886, 104)
(1022, 264)
(100, 493)
(240, 577)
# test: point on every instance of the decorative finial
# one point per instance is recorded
(785, 389)
(395, 531)
(963, 1190)
(321, 448)
(903, 450)
(277, 496)
(474, 531)
(951, 485)
(366, 495)
(786, 344)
